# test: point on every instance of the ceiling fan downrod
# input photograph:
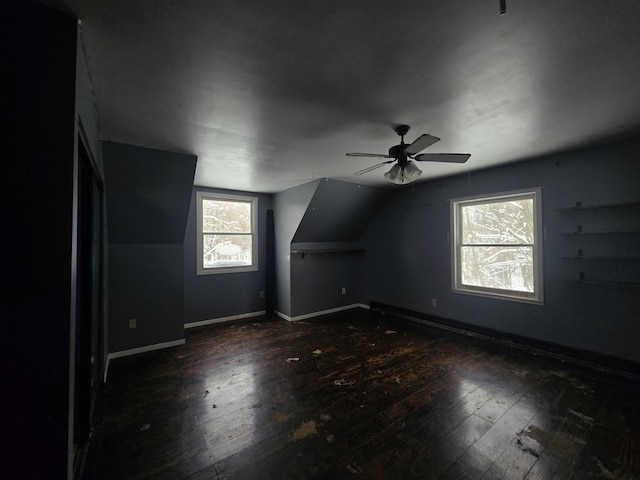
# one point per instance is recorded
(402, 130)
(397, 151)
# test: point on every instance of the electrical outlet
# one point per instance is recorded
(434, 302)
(132, 323)
(261, 293)
(344, 290)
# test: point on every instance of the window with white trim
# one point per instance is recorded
(227, 233)
(497, 245)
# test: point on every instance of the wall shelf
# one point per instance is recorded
(601, 257)
(609, 283)
(580, 207)
(608, 233)
(304, 252)
(611, 232)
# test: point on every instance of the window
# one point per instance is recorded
(227, 233)
(497, 247)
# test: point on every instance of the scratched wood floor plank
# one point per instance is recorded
(352, 395)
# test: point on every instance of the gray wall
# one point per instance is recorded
(210, 297)
(408, 257)
(337, 215)
(321, 215)
(289, 207)
(339, 212)
(146, 283)
(317, 281)
(147, 195)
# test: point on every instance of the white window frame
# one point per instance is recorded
(535, 297)
(201, 269)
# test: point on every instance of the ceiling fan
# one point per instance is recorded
(405, 171)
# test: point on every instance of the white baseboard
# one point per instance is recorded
(135, 351)
(282, 315)
(323, 312)
(225, 319)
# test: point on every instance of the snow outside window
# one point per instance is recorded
(227, 233)
(497, 247)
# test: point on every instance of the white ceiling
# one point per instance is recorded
(272, 94)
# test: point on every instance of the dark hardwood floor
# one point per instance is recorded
(353, 395)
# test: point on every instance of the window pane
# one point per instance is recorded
(498, 223)
(226, 250)
(226, 216)
(505, 268)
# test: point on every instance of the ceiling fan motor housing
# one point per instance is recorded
(397, 152)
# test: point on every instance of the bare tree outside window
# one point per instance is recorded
(227, 231)
(226, 227)
(496, 249)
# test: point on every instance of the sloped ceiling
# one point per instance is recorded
(148, 194)
(339, 212)
(269, 95)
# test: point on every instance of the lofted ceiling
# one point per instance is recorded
(272, 94)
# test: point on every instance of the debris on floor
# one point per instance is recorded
(581, 416)
(342, 382)
(144, 427)
(206, 392)
(527, 449)
(330, 438)
(293, 359)
(278, 417)
(317, 351)
(214, 406)
(353, 468)
(558, 444)
(307, 429)
(389, 332)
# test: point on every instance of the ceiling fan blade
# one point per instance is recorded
(443, 157)
(375, 155)
(368, 169)
(420, 143)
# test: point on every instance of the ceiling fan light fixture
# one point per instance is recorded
(403, 175)
(394, 174)
(411, 171)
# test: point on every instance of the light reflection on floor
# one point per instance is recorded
(229, 424)
(494, 427)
